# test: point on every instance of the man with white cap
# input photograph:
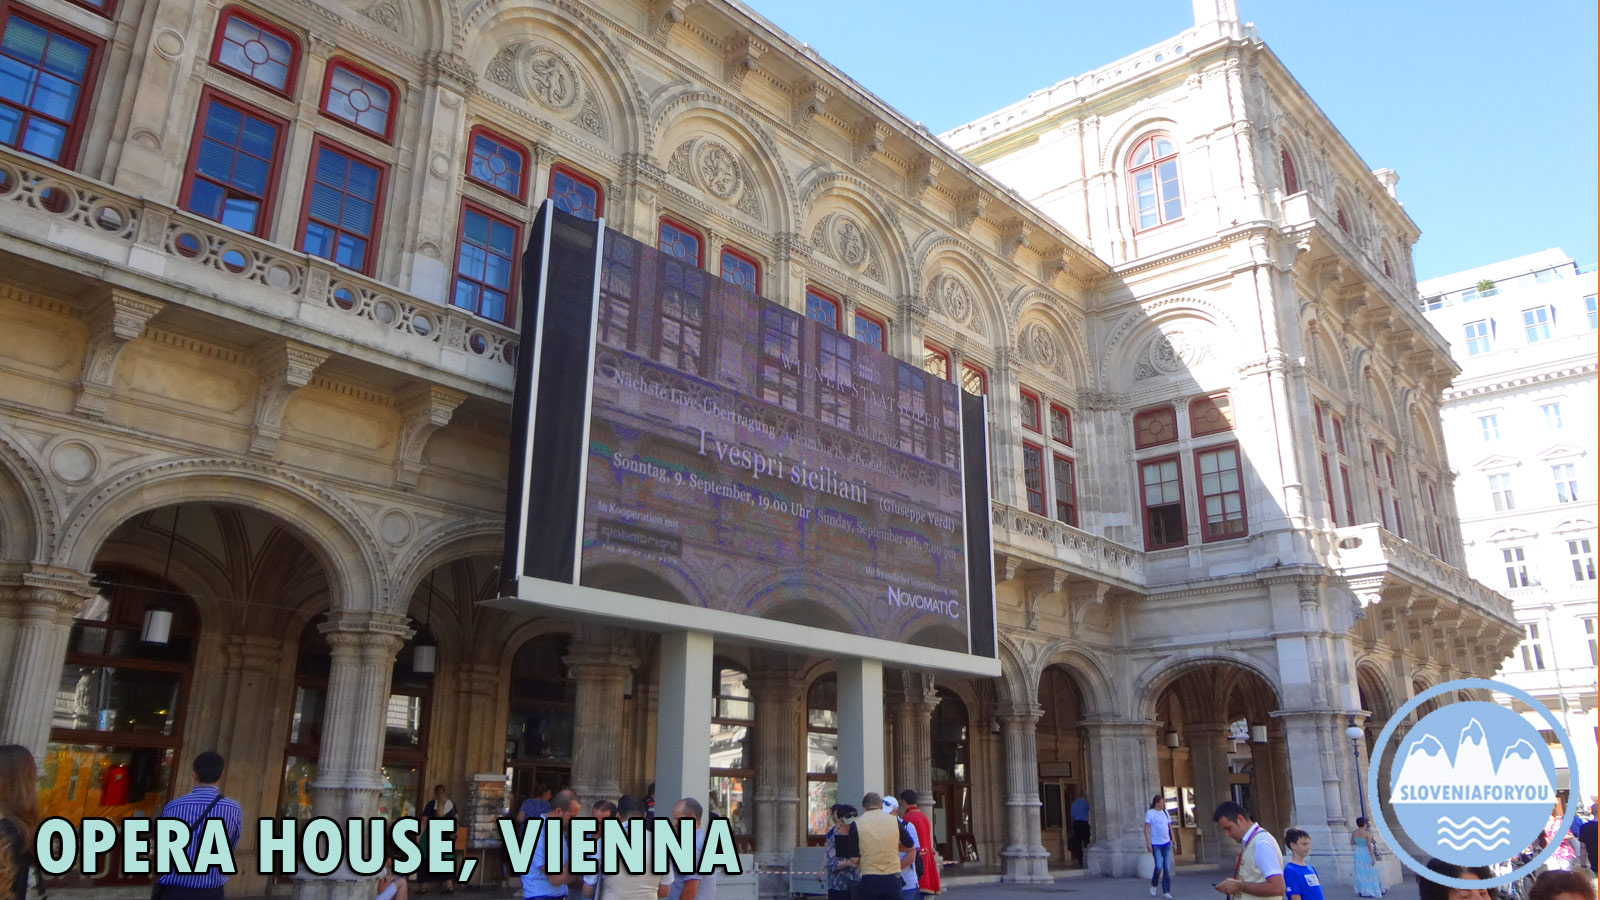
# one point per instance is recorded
(882, 841)
(908, 857)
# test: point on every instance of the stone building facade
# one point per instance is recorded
(258, 330)
(1522, 415)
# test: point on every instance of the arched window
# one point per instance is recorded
(822, 754)
(405, 730)
(1344, 223)
(539, 723)
(952, 809)
(733, 722)
(1153, 177)
(1291, 179)
(117, 716)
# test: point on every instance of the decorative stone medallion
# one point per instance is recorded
(74, 462)
(955, 298)
(719, 170)
(552, 79)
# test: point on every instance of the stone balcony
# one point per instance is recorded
(1403, 588)
(1033, 542)
(78, 226)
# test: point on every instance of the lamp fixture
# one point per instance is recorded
(424, 654)
(1258, 734)
(158, 620)
(1172, 739)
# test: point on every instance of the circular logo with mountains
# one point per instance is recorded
(1473, 783)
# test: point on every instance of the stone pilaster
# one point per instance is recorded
(1208, 760)
(1123, 774)
(913, 753)
(42, 608)
(349, 767)
(1024, 859)
(778, 692)
(1323, 783)
(598, 662)
(248, 740)
(480, 719)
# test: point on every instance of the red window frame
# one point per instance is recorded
(1338, 434)
(1144, 505)
(740, 255)
(290, 83)
(317, 144)
(516, 244)
(269, 200)
(1316, 410)
(825, 297)
(1438, 524)
(107, 10)
(1066, 417)
(883, 330)
(1033, 476)
(1394, 497)
(1223, 404)
(1349, 501)
(1153, 166)
(1344, 224)
(72, 142)
(1030, 400)
(1066, 506)
(1200, 495)
(699, 238)
(932, 351)
(584, 179)
(977, 372)
(1377, 479)
(510, 143)
(383, 81)
(1291, 178)
(1327, 489)
(1140, 441)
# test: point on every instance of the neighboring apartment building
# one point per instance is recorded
(1521, 422)
(259, 313)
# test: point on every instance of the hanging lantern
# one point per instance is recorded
(1258, 733)
(1172, 739)
(157, 626)
(424, 658)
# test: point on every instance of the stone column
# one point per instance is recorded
(250, 741)
(778, 693)
(913, 752)
(349, 776)
(598, 662)
(42, 609)
(1124, 774)
(683, 725)
(1208, 759)
(480, 722)
(1322, 781)
(860, 728)
(1025, 860)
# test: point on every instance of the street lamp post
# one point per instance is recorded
(1355, 734)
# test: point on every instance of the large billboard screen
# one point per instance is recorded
(746, 458)
(679, 438)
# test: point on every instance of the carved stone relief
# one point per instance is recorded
(1169, 354)
(543, 73)
(715, 168)
(845, 239)
(1040, 346)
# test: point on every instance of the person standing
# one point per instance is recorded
(922, 828)
(19, 818)
(1259, 869)
(1300, 881)
(841, 855)
(1558, 885)
(693, 885)
(440, 807)
(1367, 881)
(1428, 889)
(196, 808)
(1158, 840)
(547, 876)
(1587, 834)
(535, 806)
(625, 885)
(881, 840)
(1078, 842)
(908, 857)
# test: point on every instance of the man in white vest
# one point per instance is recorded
(1259, 869)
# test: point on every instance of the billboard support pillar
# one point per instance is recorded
(683, 720)
(860, 729)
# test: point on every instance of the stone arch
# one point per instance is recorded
(959, 287)
(29, 519)
(881, 257)
(501, 39)
(1327, 362)
(1094, 682)
(1424, 437)
(1193, 333)
(1372, 682)
(1163, 673)
(333, 532)
(1288, 137)
(1040, 321)
(443, 545)
(695, 133)
(1141, 122)
(1138, 325)
(1379, 401)
(1018, 683)
(527, 631)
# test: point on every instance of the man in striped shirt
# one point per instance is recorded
(203, 803)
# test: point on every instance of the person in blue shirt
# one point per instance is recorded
(1300, 881)
(1078, 841)
(547, 876)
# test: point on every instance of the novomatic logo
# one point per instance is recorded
(1473, 782)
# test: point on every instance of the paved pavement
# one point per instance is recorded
(1190, 884)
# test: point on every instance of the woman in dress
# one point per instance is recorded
(1566, 855)
(439, 807)
(1367, 883)
(841, 859)
(19, 816)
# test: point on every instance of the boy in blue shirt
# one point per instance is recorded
(1299, 880)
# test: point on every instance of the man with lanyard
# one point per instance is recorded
(1259, 869)
(195, 808)
(547, 877)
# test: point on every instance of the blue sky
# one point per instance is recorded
(1487, 110)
